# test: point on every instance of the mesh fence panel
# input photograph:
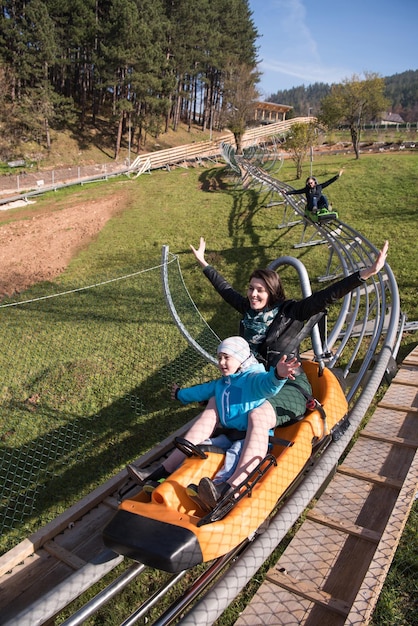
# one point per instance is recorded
(86, 374)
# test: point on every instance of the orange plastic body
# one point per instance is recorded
(170, 503)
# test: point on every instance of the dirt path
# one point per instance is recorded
(39, 247)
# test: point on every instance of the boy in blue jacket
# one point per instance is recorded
(244, 386)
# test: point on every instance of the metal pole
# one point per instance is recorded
(129, 142)
(45, 607)
(80, 616)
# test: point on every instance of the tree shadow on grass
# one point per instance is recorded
(102, 136)
(52, 471)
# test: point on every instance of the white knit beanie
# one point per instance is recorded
(239, 349)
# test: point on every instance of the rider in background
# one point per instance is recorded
(315, 199)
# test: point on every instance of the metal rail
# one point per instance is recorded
(380, 318)
(372, 310)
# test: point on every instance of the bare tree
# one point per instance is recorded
(239, 99)
(299, 140)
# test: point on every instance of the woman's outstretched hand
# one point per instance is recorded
(287, 369)
(378, 263)
(200, 252)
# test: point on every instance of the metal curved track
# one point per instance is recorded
(372, 311)
(369, 316)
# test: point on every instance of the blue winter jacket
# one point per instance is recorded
(236, 395)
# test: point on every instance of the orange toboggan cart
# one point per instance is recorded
(167, 530)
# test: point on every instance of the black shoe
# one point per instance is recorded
(211, 494)
(192, 492)
(140, 476)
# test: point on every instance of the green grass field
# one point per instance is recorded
(102, 359)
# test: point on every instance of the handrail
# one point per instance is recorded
(173, 311)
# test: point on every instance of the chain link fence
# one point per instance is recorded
(86, 375)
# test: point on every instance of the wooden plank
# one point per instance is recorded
(63, 555)
(28, 581)
(274, 606)
(404, 368)
(79, 538)
(393, 424)
(398, 441)
(404, 397)
(411, 359)
(43, 572)
(369, 477)
(398, 407)
(63, 521)
(369, 591)
(284, 580)
(380, 458)
(111, 502)
(16, 555)
(27, 587)
(345, 526)
(357, 503)
(328, 559)
(400, 381)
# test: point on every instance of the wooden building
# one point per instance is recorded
(271, 112)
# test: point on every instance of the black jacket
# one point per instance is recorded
(313, 192)
(284, 333)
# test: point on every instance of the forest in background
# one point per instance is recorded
(136, 69)
(140, 64)
(401, 90)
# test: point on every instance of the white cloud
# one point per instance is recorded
(307, 41)
(305, 72)
(294, 35)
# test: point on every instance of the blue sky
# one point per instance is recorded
(307, 41)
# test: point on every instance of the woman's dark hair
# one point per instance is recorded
(311, 178)
(273, 284)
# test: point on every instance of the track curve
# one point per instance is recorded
(371, 315)
(378, 317)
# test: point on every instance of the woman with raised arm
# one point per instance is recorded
(272, 325)
(315, 199)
